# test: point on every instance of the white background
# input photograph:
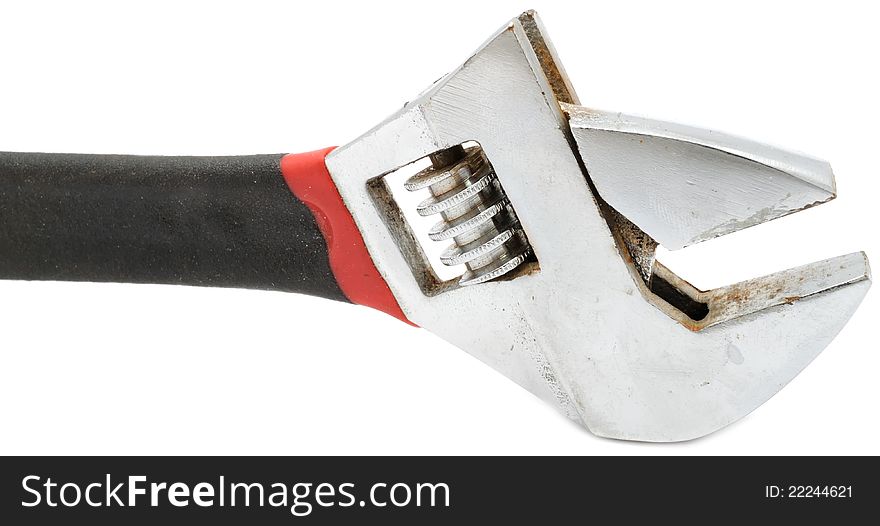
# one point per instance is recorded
(125, 369)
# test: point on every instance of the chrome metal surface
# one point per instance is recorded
(602, 331)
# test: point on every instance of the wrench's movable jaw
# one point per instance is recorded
(586, 318)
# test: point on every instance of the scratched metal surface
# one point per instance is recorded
(583, 332)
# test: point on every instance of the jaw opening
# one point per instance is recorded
(698, 309)
(664, 183)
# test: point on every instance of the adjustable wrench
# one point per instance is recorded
(550, 214)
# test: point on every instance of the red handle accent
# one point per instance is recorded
(357, 276)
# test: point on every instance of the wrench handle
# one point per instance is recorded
(203, 221)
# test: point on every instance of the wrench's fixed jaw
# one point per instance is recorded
(704, 309)
(579, 323)
(662, 183)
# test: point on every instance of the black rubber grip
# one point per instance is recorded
(207, 221)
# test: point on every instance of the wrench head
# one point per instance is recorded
(595, 326)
